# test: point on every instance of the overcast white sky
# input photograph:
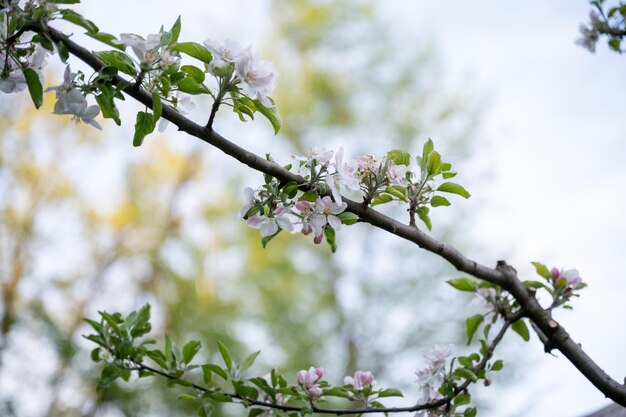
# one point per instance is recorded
(555, 131)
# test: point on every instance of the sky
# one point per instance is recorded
(553, 132)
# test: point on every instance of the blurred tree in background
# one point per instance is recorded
(86, 225)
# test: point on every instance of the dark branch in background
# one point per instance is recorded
(503, 275)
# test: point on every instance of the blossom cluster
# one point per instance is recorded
(264, 212)
(71, 100)
(255, 77)
(275, 207)
(432, 376)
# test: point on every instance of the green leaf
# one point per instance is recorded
(172, 35)
(157, 107)
(448, 175)
(542, 270)
(228, 360)
(141, 323)
(398, 192)
(191, 86)
(348, 218)
(337, 392)
(422, 213)
(95, 354)
(65, 1)
(438, 200)
(77, 19)
(470, 412)
(471, 325)
(220, 397)
(108, 39)
(107, 377)
(310, 196)
(390, 392)
(429, 146)
(249, 360)
(433, 163)
(34, 86)
(382, 199)
(399, 157)
(106, 103)
(143, 127)
(463, 284)
(497, 365)
(254, 412)
(194, 73)
(119, 60)
(466, 373)
(450, 187)
(615, 44)
(194, 50)
(186, 397)
(521, 329)
(64, 54)
(190, 349)
(158, 357)
(329, 233)
(535, 284)
(216, 369)
(462, 399)
(270, 113)
(291, 189)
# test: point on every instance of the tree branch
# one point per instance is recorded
(504, 277)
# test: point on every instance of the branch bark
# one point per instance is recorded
(504, 276)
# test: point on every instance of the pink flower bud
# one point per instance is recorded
(555, 273)
(361, 380)
(319, 372)
(315, 392)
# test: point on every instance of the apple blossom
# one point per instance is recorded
(269, 225)
(310, 377)
(70, 100)
(12, 78)
(257, 77)
(344, 174)
(485, 297)
(571, 276)
(224, 55)
(361, 380)
(325, 212)
(141, 46)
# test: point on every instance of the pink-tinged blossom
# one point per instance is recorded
(70, 100)
(14, 81)
(397, 174)
(367, 164)
(485, 297)
(318, 154)
(249, 195)
(432, 376)
(257, 77)
(345, 174)
(325, 212)
(308, 378)
(438, 355)
(571, 276)
(224, 54)
(143, 48)
(361, 380)
(269, 224)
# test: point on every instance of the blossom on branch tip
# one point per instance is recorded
(141, 46)
(70, 100)
(269, 225)
(224, 55)
(361, 380)
(571, 278)
(308, 378)
(257, 77)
